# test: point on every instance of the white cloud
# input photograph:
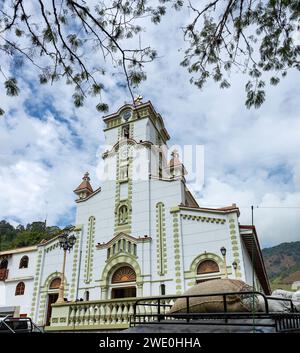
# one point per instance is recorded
(251, 156)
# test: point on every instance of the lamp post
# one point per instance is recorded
(223, 252)
(66, 242)
(234, 265)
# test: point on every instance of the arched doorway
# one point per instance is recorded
(123, 283)
(52, 297)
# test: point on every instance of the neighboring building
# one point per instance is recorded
(296, 285)
(17, 272)
(143, 236)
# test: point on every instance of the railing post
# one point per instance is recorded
(102, 314)
(266, 303)
(158, 309)
(225, 307)
(188, 308)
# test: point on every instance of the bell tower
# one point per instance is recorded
(135, 137)
(139, 122)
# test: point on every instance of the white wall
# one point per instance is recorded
(23, 301)
(15, 276)
(2, 293)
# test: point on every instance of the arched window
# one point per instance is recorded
(126, 131)
(55, 283)
(207, 266)
(24, 262)
(123, 214)
(20, 288)
(3, 264)
(124, 274)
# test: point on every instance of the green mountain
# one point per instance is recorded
(283, 264)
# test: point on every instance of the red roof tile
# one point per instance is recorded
(85, 184)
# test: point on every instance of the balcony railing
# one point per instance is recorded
(110, 314)
(3, 274)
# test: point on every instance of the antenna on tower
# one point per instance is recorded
(46, 215)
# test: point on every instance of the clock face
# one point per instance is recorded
(127, 115)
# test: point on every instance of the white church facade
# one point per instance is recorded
(135, 236)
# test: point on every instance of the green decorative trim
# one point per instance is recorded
(74, 267)
(177, 257)
(87, 327)
(114, 122)
(143, 112)
(89, 250)
(52, 247)
(192, 272)
(44, 293)
(124, 227)
(175, 209)
(117, 211)
(234, 246)
(131, 127)
(36, 282)
(122, 243)
(118, 261)
(203, 219)
(161, 241)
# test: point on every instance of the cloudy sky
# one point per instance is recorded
(251, 156)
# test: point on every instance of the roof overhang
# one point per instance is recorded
(89, 196)
(250, 239)
(8, 253)
(224, 210)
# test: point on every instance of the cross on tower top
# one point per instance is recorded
(138, 100)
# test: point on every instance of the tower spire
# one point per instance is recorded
(85, 188)
(176, 167)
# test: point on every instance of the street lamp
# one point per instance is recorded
(234, 265)
(66, 242)
(223, 252)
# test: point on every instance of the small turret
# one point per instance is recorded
(176, 168)
(84, 189)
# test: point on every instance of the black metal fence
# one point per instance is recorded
(258, 317)
(18, 325)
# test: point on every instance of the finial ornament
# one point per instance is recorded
(86, 177)
(138, 100)
(175, 153)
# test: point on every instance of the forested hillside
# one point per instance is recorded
(31, 234)
(283, 264)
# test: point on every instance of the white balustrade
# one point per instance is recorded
(106, 314)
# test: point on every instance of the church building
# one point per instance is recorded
(141, 233)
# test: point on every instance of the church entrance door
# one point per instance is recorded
(123, 282)
(52, 298)
(126, 292)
